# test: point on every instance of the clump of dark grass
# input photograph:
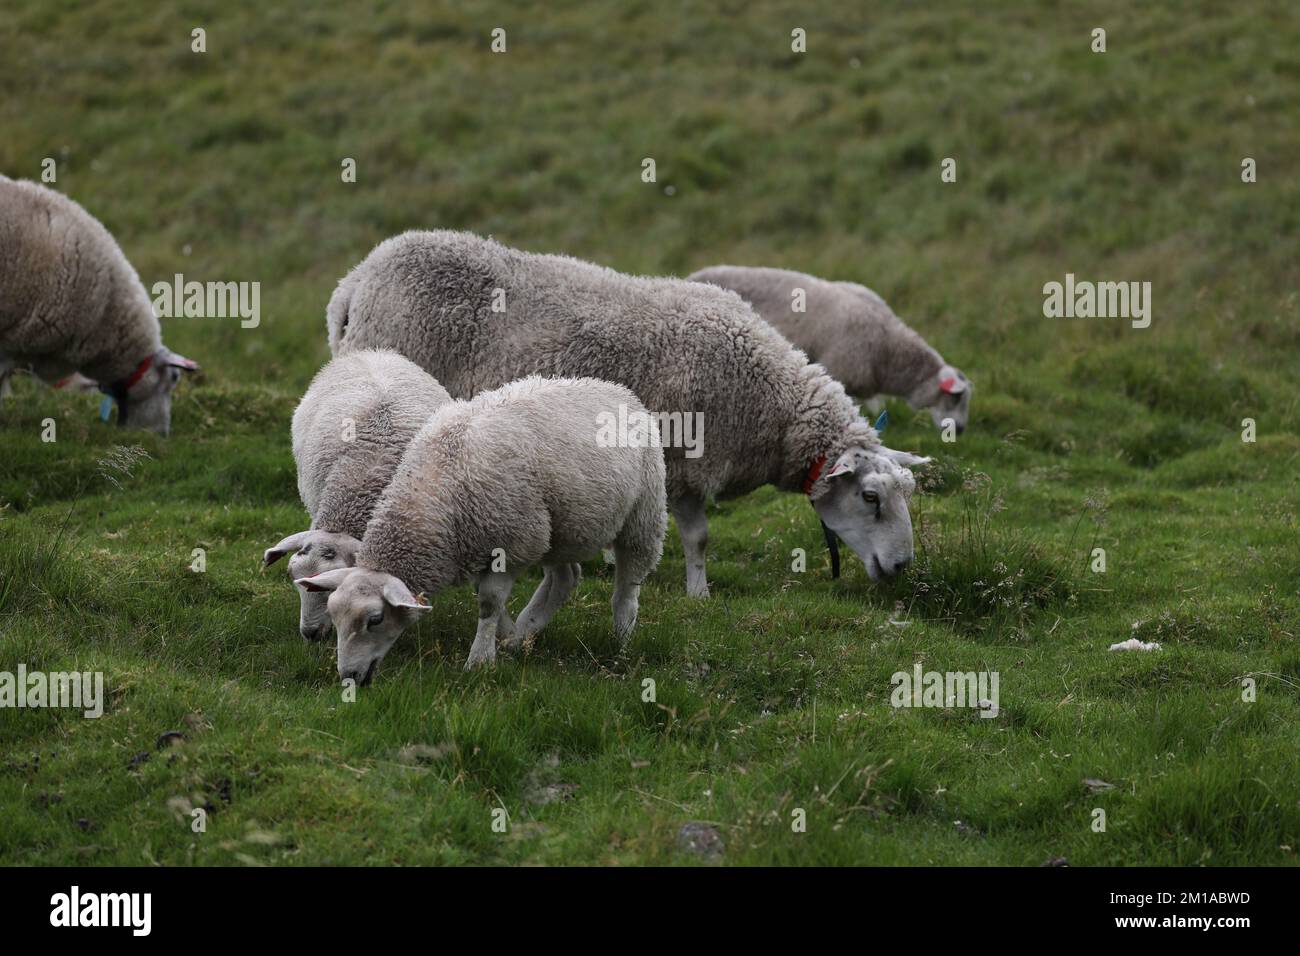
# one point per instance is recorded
(980, 575)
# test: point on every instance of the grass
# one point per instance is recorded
(774, 695)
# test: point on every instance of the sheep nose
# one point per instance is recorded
(899, 565)
(960, 429)
(362, 678)
(311, 632)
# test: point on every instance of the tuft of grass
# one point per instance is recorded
(975, 573)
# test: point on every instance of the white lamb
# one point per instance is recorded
(349, 433)
(851, 331)
(476, 314)
(73, 308)
(517, 477)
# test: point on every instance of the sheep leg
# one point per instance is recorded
(559, 583)
(493, 590)
(6, 372)
(636, 553)
(530, 609)
(693, 526)
(627, 591)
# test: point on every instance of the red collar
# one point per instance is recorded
(138, 373)
(814, 473)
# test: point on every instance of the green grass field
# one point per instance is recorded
(773, 696)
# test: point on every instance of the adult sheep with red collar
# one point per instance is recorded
(70, 303)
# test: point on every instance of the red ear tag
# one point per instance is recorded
(945, 385)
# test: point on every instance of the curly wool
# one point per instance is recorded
(350, 430)
(680, 346)
(69, 299)
(520, 469)
(847, 327)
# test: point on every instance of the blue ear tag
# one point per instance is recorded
(105, 407)
(882, 421)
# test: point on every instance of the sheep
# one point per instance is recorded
(851, 331)
(71, 303)
(520, 476)
(349, 432)
(476, 314)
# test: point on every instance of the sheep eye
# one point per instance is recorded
(375, 619)
(871, 498)
(305, 549)
(327, 554)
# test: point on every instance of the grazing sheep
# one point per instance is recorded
(517, 477)
(349, 432)
(851, 331)
(477, 314)
(71, 303)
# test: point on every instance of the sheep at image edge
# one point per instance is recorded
(855, 335)
(73, 308)
(487, 489)
(476, 314)
(349, 433)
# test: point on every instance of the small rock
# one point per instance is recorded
(702, 840)
(423, 753)
(1097, 786)
(1133, 644)
(1055, 861)
(139, 758)
(170, 738)
(551, 793)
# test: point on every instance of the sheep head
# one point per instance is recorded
(370, 609)
(144, 399)
(863, 498)
(946, 396)
(314, 552)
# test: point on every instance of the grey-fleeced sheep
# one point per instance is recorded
(349, 433)
(71, 303)
(855, 335)
(477, 314)
(524, 475)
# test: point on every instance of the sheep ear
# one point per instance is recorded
(167, 357)
(845, 465)
(904, 458)
(287, 546)
(951, 380)
(325, 581)
(398, 594)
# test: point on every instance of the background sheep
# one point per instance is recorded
(855, 335)
(489, 488)
(70, 302)
(349, 432)
(477, 314)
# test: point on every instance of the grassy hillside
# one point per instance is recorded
(773, 695)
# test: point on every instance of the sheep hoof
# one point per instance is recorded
(521, 640)
(479, 660)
